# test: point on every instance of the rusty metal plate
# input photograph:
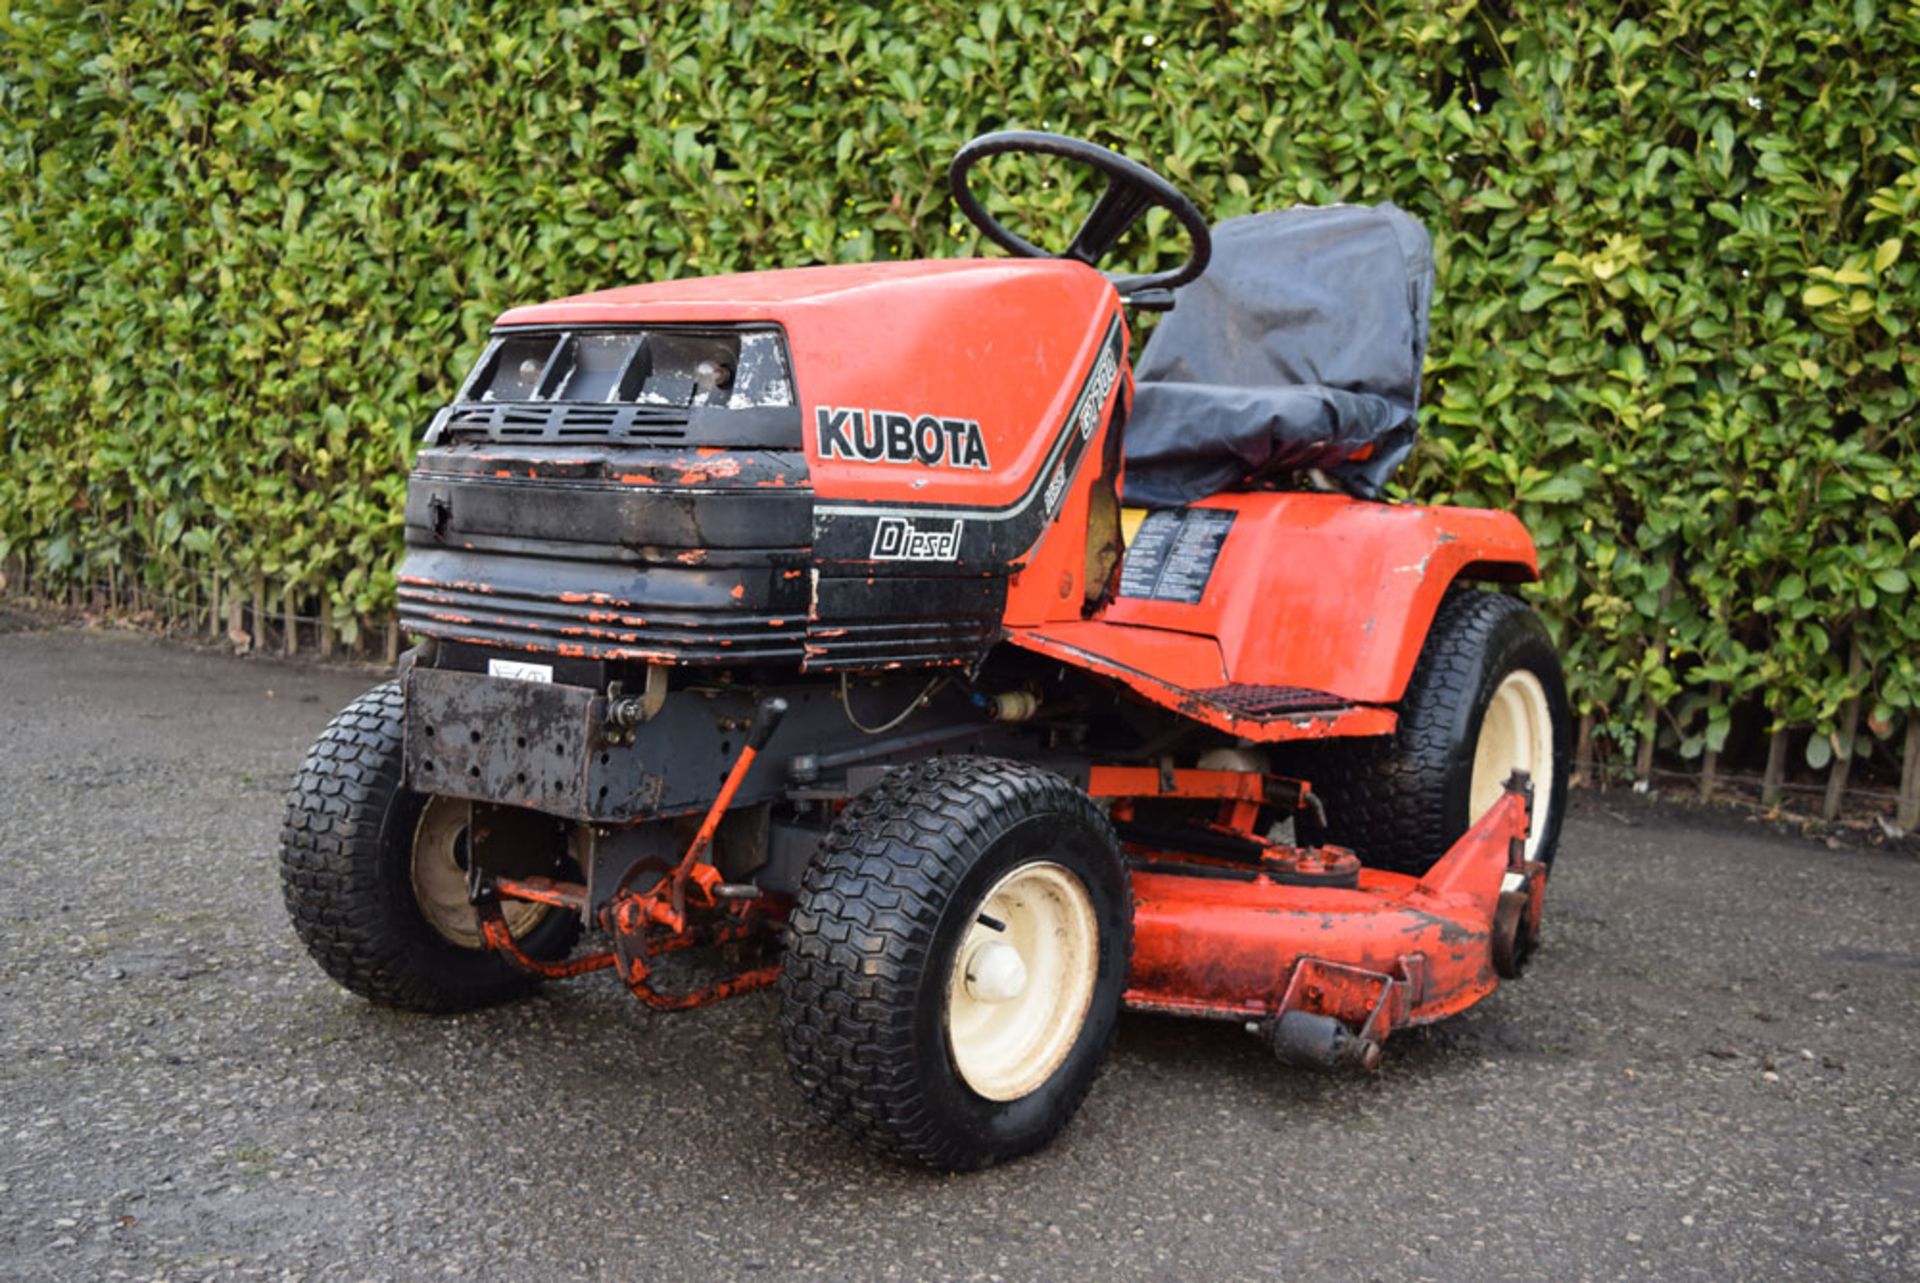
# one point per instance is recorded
(519, 743)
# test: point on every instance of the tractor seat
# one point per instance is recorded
(1299, 349)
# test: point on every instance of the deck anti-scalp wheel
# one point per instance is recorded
(1486, 697)
(955, 961)
(374, 876)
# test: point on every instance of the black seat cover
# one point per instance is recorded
(1299, 348)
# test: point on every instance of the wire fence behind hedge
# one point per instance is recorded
(244, 618)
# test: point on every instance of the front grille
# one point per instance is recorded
(562, 422)
(586, 629)
(589, 629)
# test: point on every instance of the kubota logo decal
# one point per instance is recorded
(882, 436)
(901, 539)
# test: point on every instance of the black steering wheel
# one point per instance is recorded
(1132, 189)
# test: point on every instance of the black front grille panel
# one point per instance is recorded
(563, 422)
(541, 622)
(572, 504)
(545, 624)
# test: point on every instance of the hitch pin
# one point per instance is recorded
(766, 719)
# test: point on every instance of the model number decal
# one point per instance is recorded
(904, 539)
(1105, 372)
(1055, 486)
(883, 436)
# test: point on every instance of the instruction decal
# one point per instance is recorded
(1172, 555)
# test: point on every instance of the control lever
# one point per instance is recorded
(766, 720)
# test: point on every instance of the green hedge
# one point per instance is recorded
(244, 252)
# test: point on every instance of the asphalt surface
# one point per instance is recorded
(1709, 1073)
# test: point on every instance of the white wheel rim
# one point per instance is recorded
(1516, 732)
(1018, 996)
(440, 878)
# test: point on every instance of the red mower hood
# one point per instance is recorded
(988, 355)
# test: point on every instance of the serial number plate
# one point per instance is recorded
(517, 670)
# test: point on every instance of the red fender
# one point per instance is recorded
(1310, 592)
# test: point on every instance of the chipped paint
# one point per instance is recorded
(690, 474)
(1352, 720)
(1391, 952)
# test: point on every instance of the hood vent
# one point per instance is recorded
(666, 384)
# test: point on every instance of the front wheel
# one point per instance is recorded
(374, 876)
(955, 961)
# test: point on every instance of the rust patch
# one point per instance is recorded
(693, 474)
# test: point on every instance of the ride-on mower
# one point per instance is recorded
(872, 633)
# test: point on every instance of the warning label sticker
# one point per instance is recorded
(1172, 555)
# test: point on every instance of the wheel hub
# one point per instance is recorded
(996, 972)
(1516, 732)
(440, 858)
(1023, 980)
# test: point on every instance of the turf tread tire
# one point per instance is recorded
(863, 934)
(1397, 801)
(345, 874)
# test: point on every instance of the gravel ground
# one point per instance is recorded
(1708, 1074)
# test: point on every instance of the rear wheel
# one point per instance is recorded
(1486, 697)
(374, 876)
(955, 961)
